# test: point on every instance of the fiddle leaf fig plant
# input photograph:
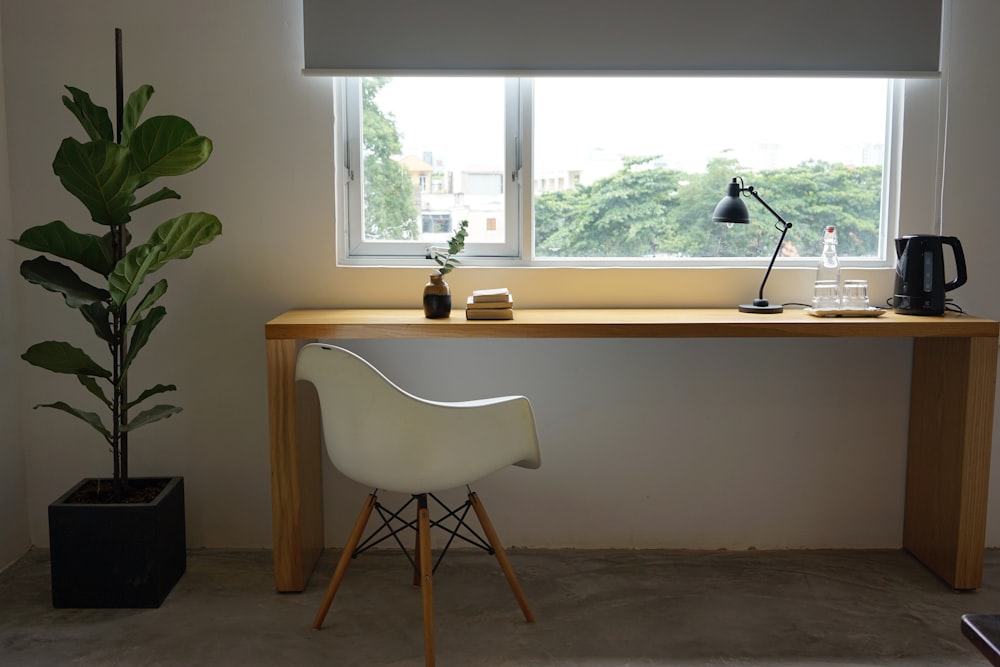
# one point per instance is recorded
(111, 174)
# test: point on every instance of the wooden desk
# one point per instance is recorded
(950, 428)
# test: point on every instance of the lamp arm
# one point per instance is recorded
(785, 226)
(781, 240)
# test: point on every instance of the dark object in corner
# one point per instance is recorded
(983, 630)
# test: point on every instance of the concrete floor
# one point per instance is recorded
(594, 609)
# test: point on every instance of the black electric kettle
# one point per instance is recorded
(920, 284)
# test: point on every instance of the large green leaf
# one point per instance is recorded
(159, 195)
(133, 110)
(168, 146)
(91, 384)
(129, 273)
(176, 238)
(94, 119)
(90, 417)
(99, 317)
(140, 336)
(181, 235)
(152, 391)
(57, 239)
(57, 277)
(102, 175)
(60, 357)
(155, 292)
(154, 414)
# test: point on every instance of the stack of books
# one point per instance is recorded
(490, 304)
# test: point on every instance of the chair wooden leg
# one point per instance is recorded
(508, 571)
(426, 577)
(345, 559)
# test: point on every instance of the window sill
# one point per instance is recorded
(592, 287)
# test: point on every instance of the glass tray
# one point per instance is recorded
(846, 312)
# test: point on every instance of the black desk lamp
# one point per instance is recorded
(731, 210)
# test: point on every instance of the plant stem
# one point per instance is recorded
(119, 244)
(122, 316)
(117, 399)
(119, 85)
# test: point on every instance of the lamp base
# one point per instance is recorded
(761, 307)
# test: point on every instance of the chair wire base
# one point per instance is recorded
(460, 528)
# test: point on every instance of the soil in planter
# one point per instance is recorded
(100, 492)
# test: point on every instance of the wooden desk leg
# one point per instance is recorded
(948, 461)
(296, 469)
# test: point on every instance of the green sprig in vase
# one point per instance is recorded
(437, 293)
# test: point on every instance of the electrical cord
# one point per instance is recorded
(949, 306)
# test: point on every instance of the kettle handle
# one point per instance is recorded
(956, 247)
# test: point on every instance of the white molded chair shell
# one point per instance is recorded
(379, 435)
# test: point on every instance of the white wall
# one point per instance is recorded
(691, 443)
(14, 538)
(973, 144)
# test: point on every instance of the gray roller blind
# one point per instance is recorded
(535, 37)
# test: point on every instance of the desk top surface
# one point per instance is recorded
(620, 323)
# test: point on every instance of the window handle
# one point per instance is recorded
(517, 159)
(347, 160)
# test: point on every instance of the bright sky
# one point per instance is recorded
(687, 120)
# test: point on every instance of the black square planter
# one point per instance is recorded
(117, 555)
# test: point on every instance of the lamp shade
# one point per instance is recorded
(732, 208)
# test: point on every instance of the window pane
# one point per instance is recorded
(634, 167)
(433, 156)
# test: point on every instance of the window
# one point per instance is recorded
(452, 129)
(620, 170)
(654, 155)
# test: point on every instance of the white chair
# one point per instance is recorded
(381, 436)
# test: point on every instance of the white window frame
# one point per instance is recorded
(909, 198)
(347, 97)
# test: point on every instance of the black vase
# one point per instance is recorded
(437, 298)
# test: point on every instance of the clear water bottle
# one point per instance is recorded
(828, 269)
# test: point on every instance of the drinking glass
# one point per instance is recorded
(855, 295)
(825, 294)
